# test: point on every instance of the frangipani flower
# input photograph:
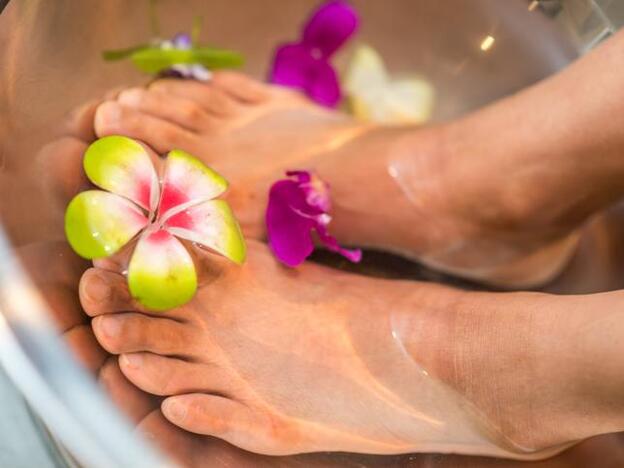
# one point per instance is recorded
(306, 64)
(298, 206)
(161, 273)
(374, 96)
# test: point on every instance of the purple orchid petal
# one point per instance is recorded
(329, 27)
(294, 67)
(324, 87)
(295, 209)
(353, 255)
(182, 41)
(289, 233)
(291, 66)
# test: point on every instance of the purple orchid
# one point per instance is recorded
(297, 206)
(193, 71)
(305, 64)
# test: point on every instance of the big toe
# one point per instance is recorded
(114, 118)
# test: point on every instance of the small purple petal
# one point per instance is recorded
(289, 233)
(353, 255)
(294, 67)
(291, 66)
(182, 41)
(329, 27)
(293, 211)
(324, 87)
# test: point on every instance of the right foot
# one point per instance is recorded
(414, 192)
(278, 361)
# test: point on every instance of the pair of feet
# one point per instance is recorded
(278, 361)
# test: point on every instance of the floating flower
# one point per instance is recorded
(177, 57)
(306, 64)
(374, 96)
(195, 71)
(161, 273)
(298, 206)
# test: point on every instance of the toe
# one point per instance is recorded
(133, 332)
(113, 118)
(161, 375)
(180, 111)
(212, 99)
(240, 86)
(103, 292)
(210, 415)
(133, 402)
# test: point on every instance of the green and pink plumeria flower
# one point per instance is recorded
(137, 204)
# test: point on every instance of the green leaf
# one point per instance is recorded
(120, 54)
(153, 60)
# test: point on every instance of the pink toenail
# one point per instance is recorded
(110, 326)
(132, 361)
(174, 410)
(97, 289)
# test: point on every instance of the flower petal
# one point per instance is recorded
(330, 26)
(98, 224)
(324, 87)
(291, 66)
(294, 67)
(187, 181)
(353, 255)
(161, 274)
(213, 225)
(122, 166)
(288, 231)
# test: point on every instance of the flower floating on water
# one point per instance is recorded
(161, 273)
(298, 206)
(374, 96)
(195, 71)
(306, 64)
(179, 57)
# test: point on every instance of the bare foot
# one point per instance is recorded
(281, 361)
(396, 189)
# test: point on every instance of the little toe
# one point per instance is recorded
(178, 110)
(113, 118)
(212, 99)
(216, 416)
(133, 402)
(240, 86)
(132, 332)
(161, 375)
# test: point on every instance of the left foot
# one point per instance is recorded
(248, 131)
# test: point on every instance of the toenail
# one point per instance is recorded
(110, 113)
(174, 409)
(131, 97)
(97, 289)
(110, 326)
(132, 361)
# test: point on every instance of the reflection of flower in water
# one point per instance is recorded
(298, 206)
(306, 64)
(161, 273)
(376, 97)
